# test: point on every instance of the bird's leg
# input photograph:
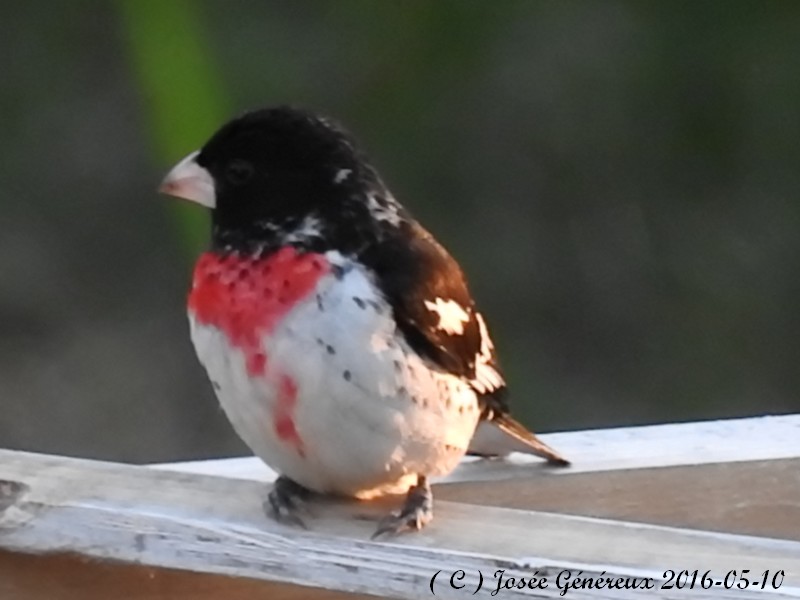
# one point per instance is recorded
(417, 511)
(285, 500)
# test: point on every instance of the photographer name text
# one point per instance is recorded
(573, 579)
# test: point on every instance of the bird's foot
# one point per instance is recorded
(415, 514)
(286, 501)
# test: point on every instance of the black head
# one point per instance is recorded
(272, 171)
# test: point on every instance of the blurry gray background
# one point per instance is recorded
(619, 180)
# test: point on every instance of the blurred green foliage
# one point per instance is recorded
(184, 95)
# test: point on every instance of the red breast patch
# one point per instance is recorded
(246, 298)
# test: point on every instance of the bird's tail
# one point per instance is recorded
(503, 435)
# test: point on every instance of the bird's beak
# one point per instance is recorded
(190, 181)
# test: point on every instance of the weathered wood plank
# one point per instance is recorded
(760, 498)
(72, 577)
(646, 447)
(215, 525)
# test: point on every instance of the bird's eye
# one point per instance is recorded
(239, 172)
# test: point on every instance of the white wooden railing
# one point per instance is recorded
(711, 498)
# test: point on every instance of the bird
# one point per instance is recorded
(340, 337)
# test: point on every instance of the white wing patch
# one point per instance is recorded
(385, 210)
(452, 315)
(342, 175)
(487, 378)
(309, 228)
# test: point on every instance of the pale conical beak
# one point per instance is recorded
(190, 181)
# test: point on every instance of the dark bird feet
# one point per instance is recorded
(286, 501)
(415, 514)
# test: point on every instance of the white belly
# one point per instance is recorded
(370, 414)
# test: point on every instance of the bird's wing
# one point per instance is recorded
(435, 311)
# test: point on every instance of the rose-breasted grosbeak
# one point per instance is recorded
(340, 337)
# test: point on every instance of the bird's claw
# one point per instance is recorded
(415, 514)
(400, 522)
(286, 502)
